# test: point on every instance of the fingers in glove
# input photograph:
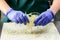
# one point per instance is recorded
(19, 20)
(26, 18)
(23, 19)
(40, 21)
(46, 21)
(37, 19)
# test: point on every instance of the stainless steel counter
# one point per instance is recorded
(57, 24)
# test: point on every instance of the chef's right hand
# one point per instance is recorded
(17, 16)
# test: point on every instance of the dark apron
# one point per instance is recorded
(27, 6)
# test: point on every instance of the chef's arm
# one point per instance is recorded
(14, 16)
(4, 6)
(55, 6)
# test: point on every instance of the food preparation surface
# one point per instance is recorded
(10, 31)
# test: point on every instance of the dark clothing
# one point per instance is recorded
(29, 6)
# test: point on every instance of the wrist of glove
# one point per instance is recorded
(17, 16)
(44, 18)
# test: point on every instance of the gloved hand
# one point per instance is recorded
(17, 16)
(44, 18)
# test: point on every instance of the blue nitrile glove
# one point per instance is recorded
(17, 16)
(44, 18)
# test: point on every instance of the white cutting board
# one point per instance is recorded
(50, 34)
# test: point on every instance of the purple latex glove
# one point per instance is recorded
(17, 16)
(44, 18)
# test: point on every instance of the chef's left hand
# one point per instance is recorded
(44, 18)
